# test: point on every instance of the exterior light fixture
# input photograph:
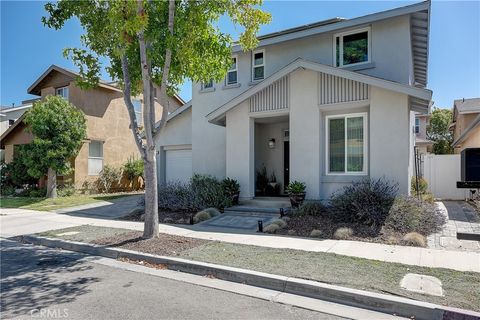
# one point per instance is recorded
(271, 143)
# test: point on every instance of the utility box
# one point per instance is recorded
(470, 164)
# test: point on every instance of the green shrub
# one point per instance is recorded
(108, 176)
(16, 172)
(343, 233)
(367, 201)
(414, 239)
(271, 228)
(66, 190)
(280, 223)
(133, 169)
(7, 190)
(201, 216)
(409, 214)
(37, 192)
(422, 185)
(209, 192)
(316, 233)
(296, 187)
(177, 196)
(231, 188)
(311, 208)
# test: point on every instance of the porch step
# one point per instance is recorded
(247, 209)
(468, 235)
(267, 202)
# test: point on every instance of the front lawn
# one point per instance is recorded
(460, 288)
(44, 204)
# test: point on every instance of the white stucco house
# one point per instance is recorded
(327, 103)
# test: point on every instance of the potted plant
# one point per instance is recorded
(273, 186)
(262, 181)
(231, 187)
(296, 192)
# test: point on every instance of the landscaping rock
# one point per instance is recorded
(271, 228)
(422, 284)
(343, 233)
(316, 233)
(292, 232)
(279, 222)
(414, 239)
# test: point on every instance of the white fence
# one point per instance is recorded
(442, 173)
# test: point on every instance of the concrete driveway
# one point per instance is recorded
(111, 209)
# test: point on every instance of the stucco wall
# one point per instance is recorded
(10, 115)
(472, 141)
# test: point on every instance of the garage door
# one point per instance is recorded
(178, 165)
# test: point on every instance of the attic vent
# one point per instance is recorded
(336, 90)
(272, 98)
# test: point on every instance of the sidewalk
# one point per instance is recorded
(18, 222)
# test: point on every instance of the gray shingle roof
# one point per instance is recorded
(467, 105)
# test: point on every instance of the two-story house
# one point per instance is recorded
(327, 103)
(109, 137)
(423, 144)
(466, 124)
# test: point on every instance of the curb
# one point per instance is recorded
(353, 297)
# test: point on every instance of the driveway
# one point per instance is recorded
(111, 209)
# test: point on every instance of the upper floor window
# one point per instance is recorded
(258, 65)
(62, 92)
(95, 157)
(346, 144)
(352, 47)
(417, 125)
(207, 85)
(137, 105)
(232, 72)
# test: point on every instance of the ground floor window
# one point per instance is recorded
(346, 144)
(95, 157)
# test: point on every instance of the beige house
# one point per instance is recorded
(466, 124)
(109, 137)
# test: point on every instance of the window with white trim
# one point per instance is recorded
(62, 92)
(347, 144)
(258, 65)
(95, 157)
(137, 105)
(417, 125)
(352, 47)
(232, 72)
(207, 85)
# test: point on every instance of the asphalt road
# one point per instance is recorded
(42, 283)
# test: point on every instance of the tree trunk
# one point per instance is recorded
(51, 183)
(151, 196)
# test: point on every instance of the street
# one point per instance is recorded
(44, 283)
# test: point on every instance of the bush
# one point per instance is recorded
(414, 239)
(231, 188)
(66, 190)
(7, 190)
(177, 196)
(133, 169)
(209, 192)
(343, 233)
(108, 176)
(316, 233)
(422, 185)
(16, 172)
(37, 192)
(271, 228)
(280, 223)
(367, 202)
(409, 214)
(212, 211)
(311, 208)
(201, 216)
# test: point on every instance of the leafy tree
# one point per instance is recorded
(58, 129)
(152, 46)
(438, 131)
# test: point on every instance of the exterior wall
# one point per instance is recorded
(11, 114)
(271, 158)
(423, 127)
(16, 137)
(462, 122)
(177, 133)
(389, 137)
(472, 141)
(240, 149)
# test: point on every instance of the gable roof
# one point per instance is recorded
(180, 110)
(467, 105)
(475, 123)
(419, 30)
(420, 98)
(11, 128)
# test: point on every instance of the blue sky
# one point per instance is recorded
(28, 48)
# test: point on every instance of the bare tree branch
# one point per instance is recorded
(131, 109)
(166, 70)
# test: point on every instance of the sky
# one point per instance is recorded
(28, 48)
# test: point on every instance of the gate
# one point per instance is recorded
(442, 173)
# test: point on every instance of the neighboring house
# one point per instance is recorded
(423, 144)
(327, 103)
(8, 115)
(109, 138)
(466, 124)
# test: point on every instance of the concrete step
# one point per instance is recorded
(267, 202)
(468, 235)
(248, 209)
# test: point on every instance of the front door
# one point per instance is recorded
(286, 164)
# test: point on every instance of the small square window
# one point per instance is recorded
(11, 122)
(258, 65)
(62, 92)
(352, 48)
(207, 85)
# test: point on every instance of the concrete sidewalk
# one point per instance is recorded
(19, 222)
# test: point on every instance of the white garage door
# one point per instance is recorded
(178, 165)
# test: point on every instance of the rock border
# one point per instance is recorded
(352, 297)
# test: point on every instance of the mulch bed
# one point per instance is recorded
(163, 217)
(302, 225)
(165, 244)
